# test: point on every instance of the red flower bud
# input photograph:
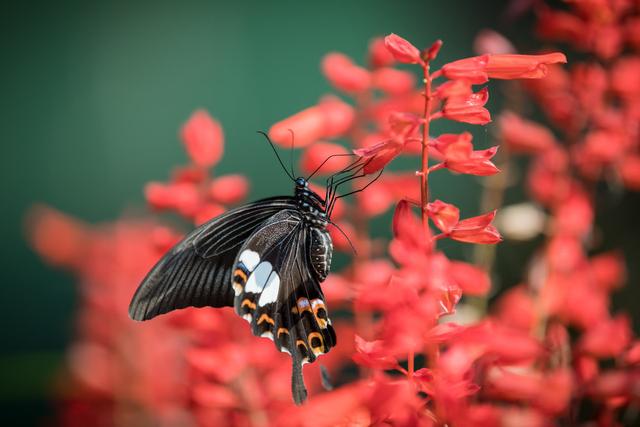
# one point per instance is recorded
(402, 50)
(344, 75)
(229, 189)
(203, 139)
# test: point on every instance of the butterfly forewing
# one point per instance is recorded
(198, 271)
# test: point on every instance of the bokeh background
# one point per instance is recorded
(92, 97)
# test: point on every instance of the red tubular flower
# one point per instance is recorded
(393, 82)
(372, 354)
(479, 69)
(459, 156)
(471, 279)
(330, 118)
(203, 138)
(510, 67)
(444, 215)
(229, 189)
(317, 153)
(471, 230)
(609, 338)
(468, 109)
(344, 74)
(476, 230)
(379, 55)
(470, 69)
(524, 136)
(402, 50)
(402, 127)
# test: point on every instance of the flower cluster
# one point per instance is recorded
(549, 351)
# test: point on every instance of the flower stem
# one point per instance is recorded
(424, 175)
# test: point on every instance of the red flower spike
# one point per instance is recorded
(476, 230)
(344, 75)
(203, 139)
(468, 109)
(470, 69)
(229, 189)
(524, 136)
(379, 55)
(510, 67)
(402, 50)
(317, 153)
(444, 215)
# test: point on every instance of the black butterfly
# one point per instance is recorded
(267, 260)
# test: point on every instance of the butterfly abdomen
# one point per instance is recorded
(320, 253)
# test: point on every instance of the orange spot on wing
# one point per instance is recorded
(265, 318)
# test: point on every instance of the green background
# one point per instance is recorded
(92, 97)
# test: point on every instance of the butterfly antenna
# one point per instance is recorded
(293, 139)
(276, 153)
(326, 160)
(353, 248)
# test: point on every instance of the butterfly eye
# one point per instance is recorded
(301, 182)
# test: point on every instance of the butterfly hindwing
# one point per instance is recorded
(198, 271)
(278, 293)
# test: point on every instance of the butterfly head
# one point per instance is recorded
(301, 183)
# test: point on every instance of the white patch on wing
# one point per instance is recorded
(285, 350)
(249, 258)
(248, 317)
(270, 291)
(267, 335)
(316, 302)
(258, 278)
(237, 289)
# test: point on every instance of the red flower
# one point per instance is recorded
(524, 136)
(379, 55)
(372, 354)
(521, 66)
(317, 153)
(479, 69)
(402, 127)
(470, 69)
(393, 82)
(203, 138)
(476, 230)
(229, 189)
(460, 157)
(330, 118)
(471, 230)
(402, 50)
(444, 215)
(471, 279)
(344, 74)
(609, 338)
(468, 109)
